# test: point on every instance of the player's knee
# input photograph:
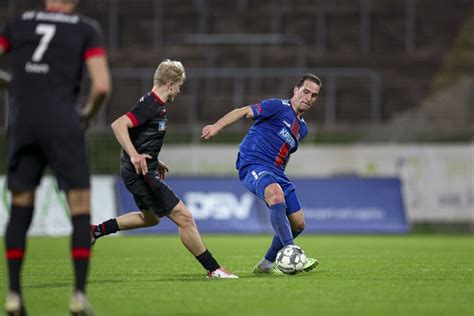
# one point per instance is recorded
(79, 201)
(274, 195)
(275, 199)
(23, 198)
(186, 219)
(182, 216)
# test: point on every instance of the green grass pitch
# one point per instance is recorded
(357, 275)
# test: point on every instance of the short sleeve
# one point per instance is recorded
(93, 45)
(142, 112)
(266, 108)
(5, 38)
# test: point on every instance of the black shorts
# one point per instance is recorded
(31, 148)
(149, 192)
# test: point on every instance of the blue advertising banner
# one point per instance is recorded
(352, 205)
(218, 205)
(331, 205)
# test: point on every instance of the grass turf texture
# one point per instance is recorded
(357, 275)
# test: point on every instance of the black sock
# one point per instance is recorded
(207, 261)
(80, 249)
(106, 228)
(15, 243)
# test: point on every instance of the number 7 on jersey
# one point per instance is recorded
(47, 31)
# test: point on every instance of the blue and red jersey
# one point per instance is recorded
(275, 135)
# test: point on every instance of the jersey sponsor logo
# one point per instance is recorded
(219, 205)
(258, 108)
(287, 124)
(286, 136)
(50, 16)
(162, 126)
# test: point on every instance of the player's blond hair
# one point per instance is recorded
(169, 70)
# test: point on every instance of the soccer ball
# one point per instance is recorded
(290, 259)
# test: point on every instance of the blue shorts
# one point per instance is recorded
(257, 177)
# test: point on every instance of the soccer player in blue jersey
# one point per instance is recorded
(263, 155)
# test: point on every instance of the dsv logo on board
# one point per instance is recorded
(219, 205)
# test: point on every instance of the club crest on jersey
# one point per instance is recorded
(286, 136)
(257, 107)
(161, 126)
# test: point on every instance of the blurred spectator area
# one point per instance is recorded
(377, 58)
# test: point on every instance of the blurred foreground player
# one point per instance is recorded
(49, 49)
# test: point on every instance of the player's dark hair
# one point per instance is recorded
(311, 77)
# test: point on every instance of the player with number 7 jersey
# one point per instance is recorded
(49, 49)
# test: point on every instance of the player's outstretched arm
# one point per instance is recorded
(120, 128)
(233, 116)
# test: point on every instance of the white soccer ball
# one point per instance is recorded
(290, 259)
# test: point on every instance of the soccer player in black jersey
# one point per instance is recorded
(49, 49)
(141, 132)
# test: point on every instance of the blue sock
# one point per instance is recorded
(280, 223)
(277, 245)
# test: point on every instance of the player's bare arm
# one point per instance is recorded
(233, 116)
(120, 128)
(100, 87)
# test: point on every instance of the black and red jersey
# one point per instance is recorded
(149, 126)
(48, 53)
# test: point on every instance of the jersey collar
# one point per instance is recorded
(156, 97)
(56, 9)
(299, 117)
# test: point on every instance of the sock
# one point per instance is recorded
(207, 261)
(280, 224)
(106, 228)
(277, 245)
(15, 243)
(80, 249)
